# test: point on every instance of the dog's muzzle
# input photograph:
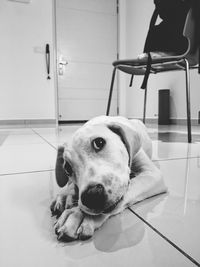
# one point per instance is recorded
(95, 199)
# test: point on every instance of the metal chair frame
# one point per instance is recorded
(163, 64)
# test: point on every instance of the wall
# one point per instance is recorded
(25, 93)
(122, 27)
(137, 17)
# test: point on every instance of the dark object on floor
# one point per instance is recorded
(199, 118)
(164, 107)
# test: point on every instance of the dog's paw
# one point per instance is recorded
(65, 200)
(73, 225)
(58, 205)
(86, 229)
(68, 224)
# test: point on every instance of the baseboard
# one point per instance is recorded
(26, 123)
(72, 122)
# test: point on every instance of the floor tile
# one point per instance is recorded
(57, 136)
(177, 216)
(26, 158)
(27, 237)
(164, 151)
(19, 137)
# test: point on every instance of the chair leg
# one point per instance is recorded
(111, 90)
(187, 77)
(145, 103)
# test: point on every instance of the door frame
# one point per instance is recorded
(55, 61)
(55, 58)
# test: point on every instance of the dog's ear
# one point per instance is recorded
(129, 137)
(61, 176)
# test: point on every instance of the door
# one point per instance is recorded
(25, 92)
(86, 47)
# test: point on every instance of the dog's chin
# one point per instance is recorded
(107, 210)
(110, 208)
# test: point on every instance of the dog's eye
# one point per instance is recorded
(68, 168)
(98, 143)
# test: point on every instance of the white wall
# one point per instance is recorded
(25, 93)
(122, 54)
(137, 18)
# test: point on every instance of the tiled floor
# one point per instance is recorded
(161, 231)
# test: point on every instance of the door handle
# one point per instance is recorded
(61, 64)
(47, 58)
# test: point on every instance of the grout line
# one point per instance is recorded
(154, 160)
(15, 173)
(166, 239)
(44, 139)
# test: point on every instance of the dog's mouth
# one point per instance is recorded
(107, 210)
(113, 206)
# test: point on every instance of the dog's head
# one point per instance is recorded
(98, 161)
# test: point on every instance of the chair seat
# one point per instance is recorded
(157, 57)
(160, 62)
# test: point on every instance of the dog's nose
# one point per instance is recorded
(94, 197)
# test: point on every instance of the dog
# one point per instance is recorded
(106, 168)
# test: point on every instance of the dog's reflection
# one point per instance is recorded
(122, 231)
(126, 229)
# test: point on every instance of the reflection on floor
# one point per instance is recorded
(173, 137)
(161, 231)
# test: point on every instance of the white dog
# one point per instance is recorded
(106, 168)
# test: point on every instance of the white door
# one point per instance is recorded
(86, 47)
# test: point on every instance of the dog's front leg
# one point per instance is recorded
(144, 185)
(66, 199)
(147, 182)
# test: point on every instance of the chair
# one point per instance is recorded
(162, 62)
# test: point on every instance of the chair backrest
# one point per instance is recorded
(192, 32)
(188, 23)
(167, 36)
